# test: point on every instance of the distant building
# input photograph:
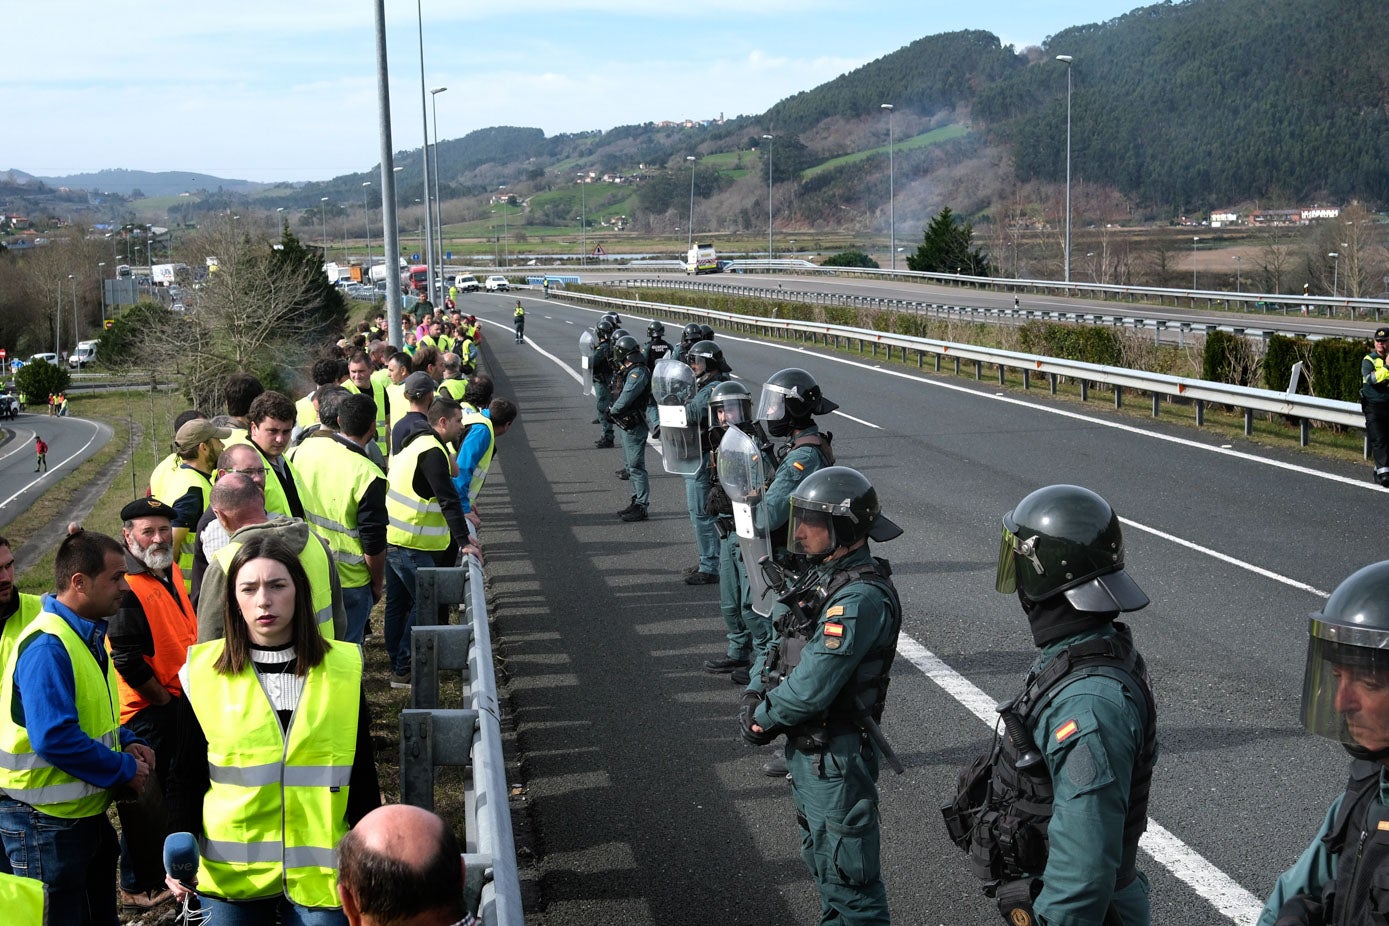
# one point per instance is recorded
(1320, 213)
(1276, 217)
(1228, 217)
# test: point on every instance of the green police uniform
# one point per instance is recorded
(629, 409)
(852, 638)
(602, 366)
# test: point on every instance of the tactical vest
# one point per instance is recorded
(1001, 812)
(867, 690)
(317, 567)
(602, 365)
(333, 479)
(822, 441)
(276, 804)
(1360, 842)
(657, 349)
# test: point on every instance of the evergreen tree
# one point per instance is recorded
(948, 247)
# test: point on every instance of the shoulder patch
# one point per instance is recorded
(836, 611)
(798, 465)
(1066, 731)
(834, 629)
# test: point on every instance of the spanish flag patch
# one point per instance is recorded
(834, 629)
(799, 466)
(1066, 731)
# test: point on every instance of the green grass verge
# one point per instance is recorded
(924, 140)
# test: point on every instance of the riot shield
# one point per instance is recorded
(586, 342)
(743, 475)
(672, 385)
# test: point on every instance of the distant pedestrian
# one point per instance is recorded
(41, 452)
(520, 320)
(51, 404)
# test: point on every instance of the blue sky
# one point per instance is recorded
(286, 90)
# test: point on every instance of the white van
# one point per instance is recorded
(83, 354)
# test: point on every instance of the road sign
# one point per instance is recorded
(109, 323)
(448, 255)
(16, 364)
(2, 353)
(598, 250)
(415, 258)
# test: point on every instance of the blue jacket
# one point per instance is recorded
(475, 444)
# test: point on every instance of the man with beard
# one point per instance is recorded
(149, 639)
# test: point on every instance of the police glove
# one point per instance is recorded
(746, 714)
(1300, 910)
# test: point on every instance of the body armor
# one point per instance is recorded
(1355, 898)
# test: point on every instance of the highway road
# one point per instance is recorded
(70, 442)
(645, 807)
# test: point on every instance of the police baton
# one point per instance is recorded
(875, 733)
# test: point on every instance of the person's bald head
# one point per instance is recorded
(401, 864)
(237, 501)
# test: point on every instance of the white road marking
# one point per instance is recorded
(1226, 558)
(53, 469)
(866, 424)
(1184, 862)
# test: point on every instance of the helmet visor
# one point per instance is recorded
(771, 405)
(810, 530)
(1009, 549)
(730, 412)
(1345, 687)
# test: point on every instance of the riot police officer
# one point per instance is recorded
(628, 412)
(690, 335)
(706, 359)
(1339, 877)
(787, 407)
(826, 687)
(1051, 816)
(602, 367)
(657, 349)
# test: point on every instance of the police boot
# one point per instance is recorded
(623, 474)
(628, 510)
(775, 767)
(636, 513)
(604, 443)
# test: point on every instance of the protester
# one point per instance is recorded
(401, 866)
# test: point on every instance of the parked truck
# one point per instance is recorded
(701, 259)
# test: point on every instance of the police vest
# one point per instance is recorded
(1359, 841)
(1002, 811)
(334, 479)
(867, 689)
(23, 900)
(17, 625)
(317, 566)
(474, 418)
(276, 804)
(414, 523)
(24, 774)
(173, 626)
(175, 486)
(520, 312)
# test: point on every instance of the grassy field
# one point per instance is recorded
(924, 140)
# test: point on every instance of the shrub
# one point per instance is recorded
(854, 258)
(1335, 365)
(1228, 358)
(39, 379)
(1279, 357)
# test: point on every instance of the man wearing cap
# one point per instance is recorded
(417, 390)
(170, 464)
(148, 639)
(198, 445)
(1374, 400)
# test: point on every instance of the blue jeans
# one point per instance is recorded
(401, 565)
(706, 534)
(263, 913)
(76, 859)
(357, 603)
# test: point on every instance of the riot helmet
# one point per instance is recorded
(1066, 540)
(1348, 653)
(691, 333)
(706, 333)
(625, 346)
(789, 398)
(614, 318)
(620, 333)
(831, 508)
(655, 330)
(604, 329)
(736, 402)
(709, 354)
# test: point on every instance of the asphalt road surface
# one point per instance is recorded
(647, 808)
(70, 441)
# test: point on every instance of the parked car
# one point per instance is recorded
(497, 284)
(83, 354)
(467, 283)
(9, 405)
(48, 357)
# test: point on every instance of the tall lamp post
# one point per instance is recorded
(366, 217)
(438, 205)
(769, 196)
(424, 149)
(583, 221)
(1066, 59)
(323, 216)
(891, 191)
(101, 276)
(690, 242)
(1335, 272)
(1194, 240)
(73, 278)
(1239, 266)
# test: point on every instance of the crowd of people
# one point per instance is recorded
(201, 666)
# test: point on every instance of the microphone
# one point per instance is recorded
(181, 857)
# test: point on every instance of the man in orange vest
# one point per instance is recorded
(149, 639)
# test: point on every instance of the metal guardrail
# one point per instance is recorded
(1303, 408)
(470, 737)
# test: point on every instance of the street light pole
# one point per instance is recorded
(1067, 60)
(690, 243)
(366, 217)
(891, 183)
(323, 215)
(1194, 239)
(1335, 272)
(424, 149)
(583, 221)
(73, 278)
(438, 205)
(1239, 266)
(101, 276)
(770, 250)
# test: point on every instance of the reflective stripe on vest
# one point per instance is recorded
(24, 774)
(332, 481)
(317, 567)
(471, 417)
(415, 523)
(276, 804)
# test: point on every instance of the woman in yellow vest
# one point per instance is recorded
(276, 764)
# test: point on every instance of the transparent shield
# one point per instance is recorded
(743, 475)
(586, 342)
(672, 386)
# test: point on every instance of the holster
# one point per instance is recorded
(971, 788)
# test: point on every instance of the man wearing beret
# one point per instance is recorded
(149, 639)
(1374, 400)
